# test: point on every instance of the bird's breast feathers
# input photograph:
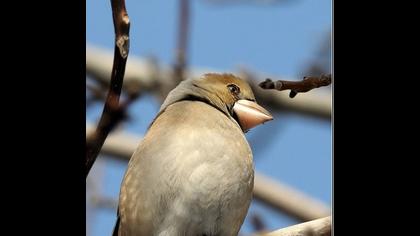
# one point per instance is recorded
(194, 167)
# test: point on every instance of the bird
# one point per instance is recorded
(193, 173)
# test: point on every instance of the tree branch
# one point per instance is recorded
(307, 84)
(181, 50)
(319, 227)
(289, 200)
(112, 112)
(144, 75)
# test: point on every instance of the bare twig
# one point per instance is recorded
(112, 111)
(319, 227)
(112, 118)
(140, 72)
(310, 104)
(182, 43)
(307, 84)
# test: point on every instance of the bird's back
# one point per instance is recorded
(192, 174)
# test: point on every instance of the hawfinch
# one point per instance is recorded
(193, 174)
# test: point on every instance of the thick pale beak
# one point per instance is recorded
(250, 114)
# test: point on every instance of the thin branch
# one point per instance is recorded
(182, 43)
(112, 111)
(118, 144)
(140, 72)
(308, 83)
(319, 227)
(310, 104)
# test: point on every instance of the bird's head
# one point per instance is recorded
(226, 92)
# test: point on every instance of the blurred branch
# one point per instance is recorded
(112, 112)
(321, 63)
(281, 197)
(289, 200)
(118, 144)
(96, 93)
(142, 74)
(181, 50)
(104, 202)
(319, 227)
(258, 223)
(308, 83)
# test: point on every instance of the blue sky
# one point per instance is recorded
(278, 39)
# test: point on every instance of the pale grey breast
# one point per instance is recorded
(191, 175)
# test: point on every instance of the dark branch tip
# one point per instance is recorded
(325, 79)
(267, 84)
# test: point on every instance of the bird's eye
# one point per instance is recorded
(234, 89)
